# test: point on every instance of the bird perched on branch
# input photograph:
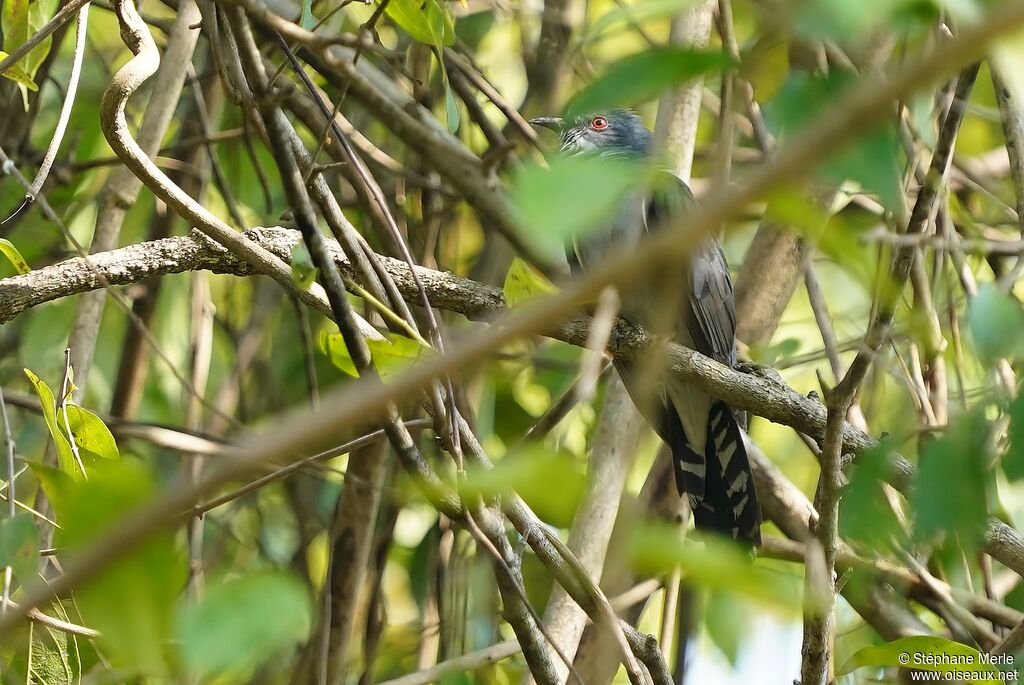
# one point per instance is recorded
(695, 306)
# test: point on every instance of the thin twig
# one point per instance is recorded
(11, 495)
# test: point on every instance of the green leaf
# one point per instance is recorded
(726, 618)
(871, 160)
(451, 108)
(20, 19)
(950, 493)
(39, 12)
(56, 484)
(65, 457)
(425, 20)
(523, 282)
(92, 436)
(769, 355)
(765, 66)
(716, 564)
(8, 250)
(924, 653)
(531, 472)
(54, 658)
(19, 546)
(18, 75)
(832, 19)
(14, 20)
(644, 76)
(132, 601)
(303, 271)
(544, 196)
(244, 622)
(632, 14)
(996, 323)
(333, 345)
(866, 516)
(306, 18)
(391, 355)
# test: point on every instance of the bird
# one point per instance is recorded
(705, 435)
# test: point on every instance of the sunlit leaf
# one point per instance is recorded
(996, 323)
(949, 496)
(523, 282)
(19, 546)
(54, 658)
(425, 20)
(531, 472)
(390, 356)
(765, 67)
(644, 76)
(632, 14)
(924, 653)
(131, 601)
(14, 19)
(18, 75)
(39, 12)
(8, 250)
(545, 196)
(713, 563)
(92, 436)
(65, 457)
(244, 622)
(530, 395)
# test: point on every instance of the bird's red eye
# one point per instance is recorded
(599, 123)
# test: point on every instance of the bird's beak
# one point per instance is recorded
(553, 123)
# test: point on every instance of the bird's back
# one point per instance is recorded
(694, 305)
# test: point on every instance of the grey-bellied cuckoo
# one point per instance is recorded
(709, 457)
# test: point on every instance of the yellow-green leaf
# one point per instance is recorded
(19, 546)
(65, 457)
(238, 624)
(715, 564)
(925, 653)
(91, 435)
(390, 355)
(130, 601)
(425, 20)
(18, 75)
(8, 250)
(523, 282)
(14, 19)
(39, 12)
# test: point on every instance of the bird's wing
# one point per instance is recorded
(710, 314)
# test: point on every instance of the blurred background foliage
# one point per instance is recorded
(248, 604)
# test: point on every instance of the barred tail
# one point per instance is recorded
(714, 472)
(730, 502)
(719, 483)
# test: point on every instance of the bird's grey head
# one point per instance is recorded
(616, 133)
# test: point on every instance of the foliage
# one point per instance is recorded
(353, 566)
